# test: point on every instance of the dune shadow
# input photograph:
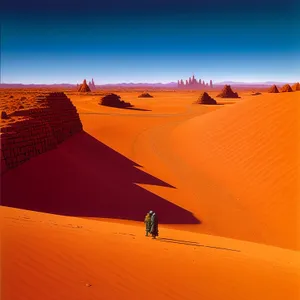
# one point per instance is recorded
(194, 244)
(86, 178)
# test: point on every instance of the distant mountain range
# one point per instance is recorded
(158, 84)
(250, 83)
(21, 85)
(68, 85)
(131, 84)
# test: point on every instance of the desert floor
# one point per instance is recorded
(227, 175)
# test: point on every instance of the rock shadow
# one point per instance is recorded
(84, 177)
(136, 108)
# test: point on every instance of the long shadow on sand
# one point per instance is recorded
(195, 244)
(136, 108)
(84, 177)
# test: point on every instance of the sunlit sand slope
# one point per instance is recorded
(50, 257)
(250, 153)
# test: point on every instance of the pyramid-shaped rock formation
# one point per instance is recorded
(205, 99)
(84, 88)
(114, 100)
(296, 86)
(273, 89)
(286, 88)
(145, 95)
(228, 93)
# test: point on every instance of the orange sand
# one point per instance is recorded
(234, 166)
(51, 257)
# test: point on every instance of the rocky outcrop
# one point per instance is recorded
(286, 88)
(206, 99)
(145, 95)
(273, 89)
(296, 86)
(92, 85)
(52, 120)
(194, 84)
(227, 92)
(114, 100)
(84, 88)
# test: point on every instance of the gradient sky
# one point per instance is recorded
(149, 41)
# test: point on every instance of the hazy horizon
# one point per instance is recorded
(116, 42)
(149, 83)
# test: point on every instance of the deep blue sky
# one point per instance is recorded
(149, 41)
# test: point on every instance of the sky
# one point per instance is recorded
(63, 41)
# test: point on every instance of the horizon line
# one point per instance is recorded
(150, 83)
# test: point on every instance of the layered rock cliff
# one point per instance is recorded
(50, 119)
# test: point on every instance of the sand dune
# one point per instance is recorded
(222, 178)
(251, 153)
(50, 257)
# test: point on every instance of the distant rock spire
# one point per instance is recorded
(92, 85)
(192, 82)
(84, 87)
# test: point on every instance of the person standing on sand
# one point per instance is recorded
(148, 222)
(154, 226)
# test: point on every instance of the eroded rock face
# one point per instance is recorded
(286, 88)
(84, 88)
(296, 86)
(227, 92)
(273, 89)
(206, 99)
(51, 120)
(145, 95)
(114, 100)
